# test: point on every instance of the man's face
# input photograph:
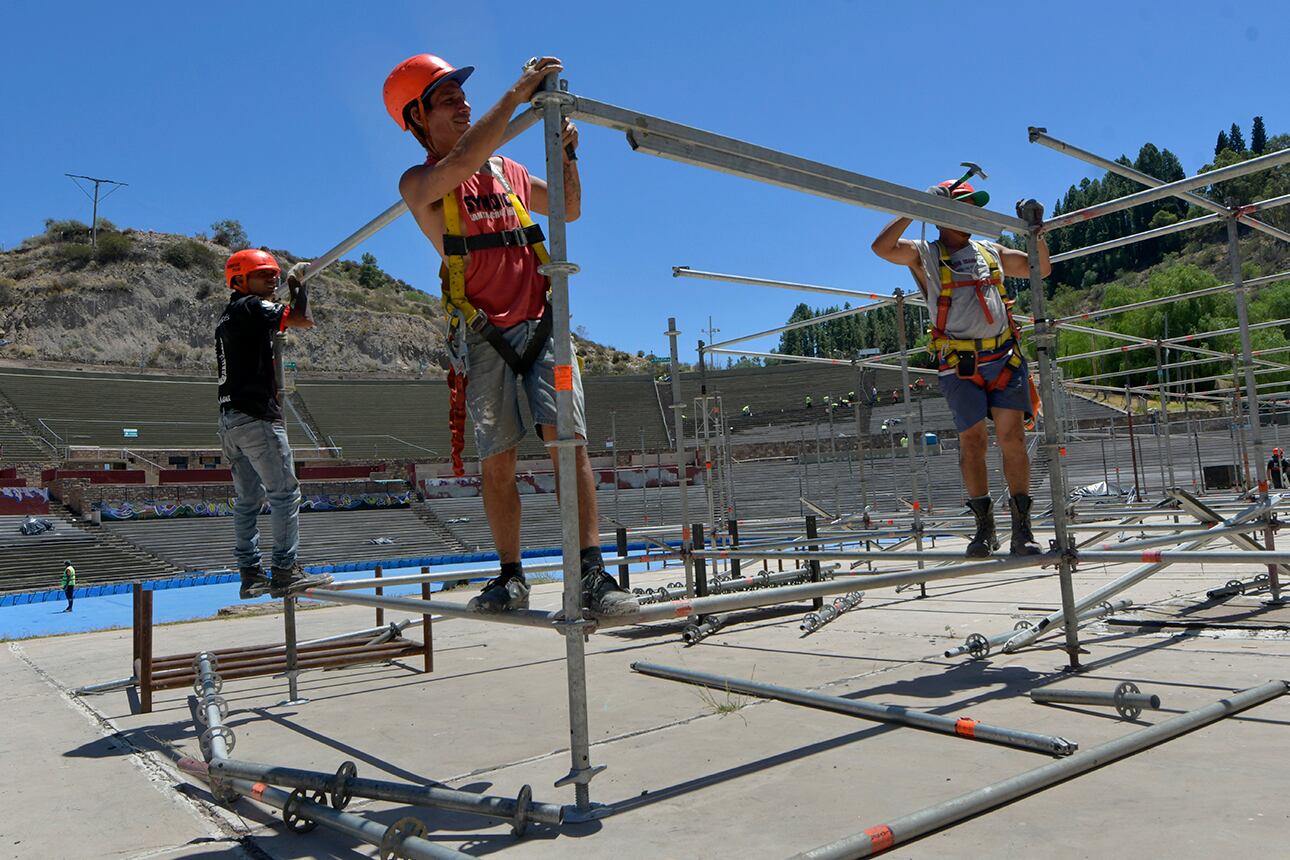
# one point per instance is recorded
(262, 283)
(448, 116)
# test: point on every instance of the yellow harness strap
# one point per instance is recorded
(948, 347)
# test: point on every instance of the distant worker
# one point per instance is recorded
(851, 397)
(895, 395)
(808, 401)
(474, 206)
(1277, 470)
(981, 369)
(251, 429)
(746, 411)
(69, 583)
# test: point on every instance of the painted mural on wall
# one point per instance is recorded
(153, 509)
(24, 500)
(530, 483)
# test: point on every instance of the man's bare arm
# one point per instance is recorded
(1016, 264)
(538, 197)
(894, 249)
(424, 185)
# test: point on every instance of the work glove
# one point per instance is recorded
(1024, 207)
(298, 289)
(938, 190)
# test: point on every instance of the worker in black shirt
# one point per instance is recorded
(251, 428)
(1277, 470)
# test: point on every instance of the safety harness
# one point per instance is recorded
(456, 247)
(967, 356)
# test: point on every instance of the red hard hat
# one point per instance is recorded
(415, 78)
(245, 262)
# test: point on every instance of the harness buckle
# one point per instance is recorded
(513, 237)
(966, 365)
(454, 246)
(478, 322)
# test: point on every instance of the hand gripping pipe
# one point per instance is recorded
(962, 727)
(344, 784)
(403, 838)
(909, 827)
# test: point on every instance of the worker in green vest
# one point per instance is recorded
(69, 583)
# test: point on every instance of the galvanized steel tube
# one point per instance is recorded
(960, 727)
(908, 827)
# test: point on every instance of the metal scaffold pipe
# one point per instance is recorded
(301, 814)
(962, 727)
(979, 646)
(908, 827)
(345, 783)
(1126, 698)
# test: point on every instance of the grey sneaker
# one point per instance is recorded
(602, 595)
(501, 595)
(293, 580)
(254, 582)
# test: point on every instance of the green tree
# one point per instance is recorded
(230, 234)
(1258, 137)
(1236, 139)
(1222, 144)
(369, 274)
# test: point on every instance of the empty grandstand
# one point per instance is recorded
(35, 562)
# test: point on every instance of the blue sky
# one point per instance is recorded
(271, 113)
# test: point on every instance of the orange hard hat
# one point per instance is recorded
(245, 262)
(415, 78)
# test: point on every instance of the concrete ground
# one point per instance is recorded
(691, 773)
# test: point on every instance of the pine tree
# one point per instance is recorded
(1236, 139)
(1222, 144)
(1258, 137)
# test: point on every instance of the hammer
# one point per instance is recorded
(974, 169)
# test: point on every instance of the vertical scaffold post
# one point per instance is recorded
(1162, 379)
(700, 565)
(555, 103)
(380, 613)
(732, 528)
(620, 542)
(145, 651)
(1241, 442)
(862, 439)
(1252, 397)
(812, 530)
(427, 637)
(1031, 211)
(903, 345)
(682, 473)
(293, 670)
(1133, 444)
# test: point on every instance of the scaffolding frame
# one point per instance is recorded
(663, 138)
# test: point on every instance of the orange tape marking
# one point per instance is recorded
(683, 608)
(918, 505)
(965, 727)
(257, 790)
(1151, 556)
(1061, 450)
(880, 838)
(564, 377)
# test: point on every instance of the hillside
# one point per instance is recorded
(150, 300)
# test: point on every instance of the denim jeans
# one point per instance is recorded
(263, 468)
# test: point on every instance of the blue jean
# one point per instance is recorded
(263, 468)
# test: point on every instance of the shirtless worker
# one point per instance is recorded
(473, 207)
(981, 370)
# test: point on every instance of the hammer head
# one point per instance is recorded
(974, 169)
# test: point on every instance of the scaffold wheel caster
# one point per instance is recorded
(213, 699)
(1125, 710)
(392, 841)
(230, 739)
(340, 793)
(1023, 624)
(978, 646)
(521, 821)
(1235, 585)
(291, 816)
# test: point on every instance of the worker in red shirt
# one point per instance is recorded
(474, 206)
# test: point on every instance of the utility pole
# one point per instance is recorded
(94, 219)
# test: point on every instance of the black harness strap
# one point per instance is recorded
(518, 237)
(520, 364)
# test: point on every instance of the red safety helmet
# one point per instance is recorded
(1276, 452)
(415, 78)
(244, 263)
(966, 193)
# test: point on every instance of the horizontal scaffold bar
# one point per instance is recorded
(672, 140)
(960, 727)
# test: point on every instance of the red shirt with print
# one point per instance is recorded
(502, 282)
